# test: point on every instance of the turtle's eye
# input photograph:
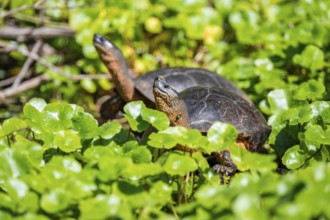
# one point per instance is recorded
(166, 86)
(178, 117)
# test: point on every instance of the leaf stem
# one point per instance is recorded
(185, 187)
(174, 211)
(8, 140)
(179, 190)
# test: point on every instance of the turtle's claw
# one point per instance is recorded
(222, 164)
(224, 170)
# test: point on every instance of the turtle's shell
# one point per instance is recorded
(181, 78)
(208, 105)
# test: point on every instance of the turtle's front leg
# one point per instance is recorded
(222, 164)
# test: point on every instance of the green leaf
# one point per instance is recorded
(139, 171)
(33, 108)
(157, 119)
(161, 193)
(55, 201)
(88, 85)
(292, 115)
(140, 155)
(278, 101)
(7, 202)
(79, 20)
(153, 25)
(104, 207)
(246, 160)
(113, 167)
(294, 157)
(57, 116)
(170, 137)
(96, 152)
(176, 164)
(133, 115)
(5, 216)
(13, 163)
(30, 150)
(312, 58)
(109, 129)
(67, 141)
(321, 108)
(306, 114)
(220, 136)
(316, 134)
(10, 125)
(247, 205)
(16, 188)
(310, 90)
(192, 138)
(81, 185)
(162, 140)
(135, 195)
(85, 124)
(30, 202)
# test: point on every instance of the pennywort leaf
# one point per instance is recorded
(176, 164)
(133, 111)
(312, 58)
(220, 136)
(10, 125)
(294, 157)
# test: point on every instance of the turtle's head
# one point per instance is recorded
(102, 45)
(168, 101)
(164, 90)
(109, 53)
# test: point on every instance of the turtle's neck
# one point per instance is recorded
(114, 60)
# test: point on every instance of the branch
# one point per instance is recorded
(37, 58)
(10, 80)
(22, 8)
(26, 65)
(45, 63)
(26, 33)
(38, 6)
(32, 83)
(36, 81)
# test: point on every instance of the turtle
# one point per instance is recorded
(199, 107)
(140, 88)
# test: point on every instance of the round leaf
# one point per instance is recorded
(57, 116)
(55, 201)
(310, 90)
(133, 115)
(162, 140)
(221, 136)
(67, 141)
(140, 155)
(157, 119)
(10, 125)
(85, 124)
(312, 58)
(33, 108)
(176, 164)
(109, 129)
(88, 85)
(294, 157)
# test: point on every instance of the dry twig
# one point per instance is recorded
(36, 81)
(22, 8)
(27, 64)
(38, 6)
(30, 84)
(26, 33)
